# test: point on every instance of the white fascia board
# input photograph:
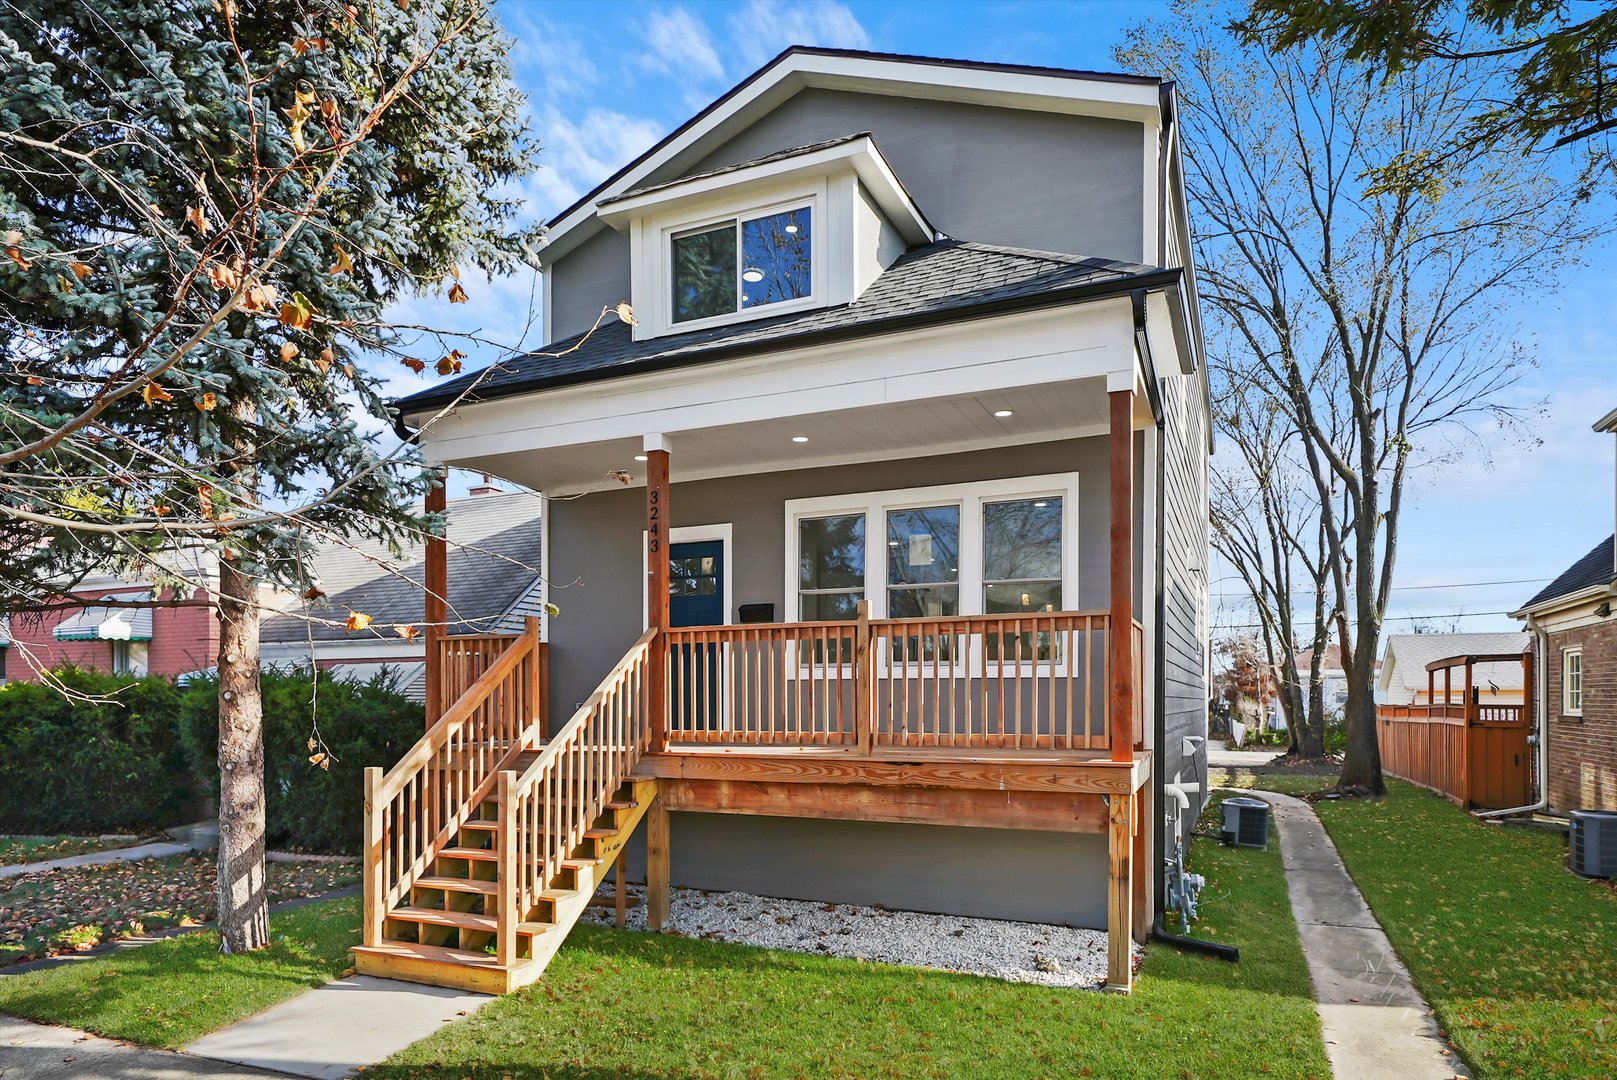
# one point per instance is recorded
(1073, 95)
(1592, 595)
(1024, 349)
(861, 155)
(392, 651)
(1607, 422)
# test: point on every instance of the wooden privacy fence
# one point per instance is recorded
(1016, 681)
(1475, 752)
(437, 785)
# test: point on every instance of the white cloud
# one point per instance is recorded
(578, 154)
(762, 28)
(548, 59)
(681, 46)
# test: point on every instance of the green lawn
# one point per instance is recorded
(173, 992)
(16, 850)
(619, 1004)
(1517, 956)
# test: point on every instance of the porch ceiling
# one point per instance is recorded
(941, 425)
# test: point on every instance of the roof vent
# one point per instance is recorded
(1592, 849)
(1246, 823)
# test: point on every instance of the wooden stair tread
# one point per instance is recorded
(599, 834)
(440, 954)
(578, 864)
(478, 823)
(455, 884)
(466, 920)
(555, 895)
(470, 853)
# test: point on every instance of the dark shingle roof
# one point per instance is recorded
(946, 280)
(767, 159)
(1595, 568)
(494, 544)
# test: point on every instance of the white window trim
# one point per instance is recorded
(1566, 690)
(660, 279)
(970, 498)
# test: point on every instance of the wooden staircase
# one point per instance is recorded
(484, 846)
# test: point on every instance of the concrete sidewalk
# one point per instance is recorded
(161, 850)
(1376, 1023)
(39, 1052)
(343, 1026)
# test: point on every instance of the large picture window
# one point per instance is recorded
(991, 547)
(742, 264)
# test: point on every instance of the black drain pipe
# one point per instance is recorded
(1159, 875)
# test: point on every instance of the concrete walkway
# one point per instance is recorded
(1376, 1023)
(343, 1026)
(38, 1052)
(161, 850)
(1241, 759)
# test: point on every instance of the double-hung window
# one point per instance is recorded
(741, 264)
(1572, 682)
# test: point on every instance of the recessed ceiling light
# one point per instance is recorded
(792, 228)
(1041, 505)
(640, 457)
(752, 275)
(800, 438)
(892, 543)
(1003, 413)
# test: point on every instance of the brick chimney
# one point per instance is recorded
(487, 487)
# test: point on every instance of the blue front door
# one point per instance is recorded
(696, 598)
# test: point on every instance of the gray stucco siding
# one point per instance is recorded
(592, 276)
(1038, 180)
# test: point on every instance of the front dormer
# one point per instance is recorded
(803, 229)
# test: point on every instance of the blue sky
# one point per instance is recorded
(607, 79)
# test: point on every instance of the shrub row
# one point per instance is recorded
(104, 753)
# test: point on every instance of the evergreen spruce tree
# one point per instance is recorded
(207, 210)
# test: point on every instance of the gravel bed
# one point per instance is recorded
(1014, 951)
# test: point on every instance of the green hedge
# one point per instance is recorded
(105, 756)
(309, 808)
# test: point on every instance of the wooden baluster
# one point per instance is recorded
(864, 704)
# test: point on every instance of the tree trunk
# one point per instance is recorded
(1313, 724)
(1361, 764)
(243, 899)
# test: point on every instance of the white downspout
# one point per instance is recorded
(1540, 706)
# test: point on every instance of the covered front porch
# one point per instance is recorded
(906, 677)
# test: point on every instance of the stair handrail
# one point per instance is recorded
(582, 764)
(434, 803)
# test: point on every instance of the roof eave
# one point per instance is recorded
(1571, 599)
(411, 409)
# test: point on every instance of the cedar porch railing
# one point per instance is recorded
(1023, 681)
(416, 807)
(545, 811)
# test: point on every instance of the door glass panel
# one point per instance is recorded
(775, 258)
(705, 273)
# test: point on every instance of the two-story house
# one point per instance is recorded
(878, 530)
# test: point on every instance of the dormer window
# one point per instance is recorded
(742, 264)
(797, 230)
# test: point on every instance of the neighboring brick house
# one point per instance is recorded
(114, 635)
(1574, 624)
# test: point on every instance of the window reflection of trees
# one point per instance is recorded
(830, 577)
(924, 590)
(1022, 572)
(705, 273)
(777, 247)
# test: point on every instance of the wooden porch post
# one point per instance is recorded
(1120, 896)
(437, 606)
(657, 864)
(657, 525)
(1120, 636)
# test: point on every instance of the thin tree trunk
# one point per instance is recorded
(243, 900)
